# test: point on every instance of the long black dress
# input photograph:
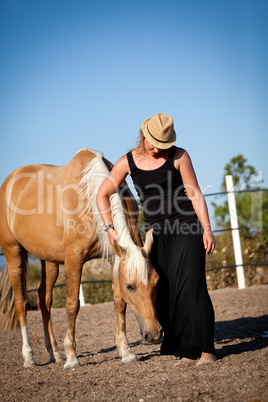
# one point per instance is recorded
(184, 308)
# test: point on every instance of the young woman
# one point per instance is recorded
(175, 208)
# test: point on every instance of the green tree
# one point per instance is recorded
(251, 207)
(243, 174)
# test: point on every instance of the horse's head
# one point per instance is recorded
(137, 282)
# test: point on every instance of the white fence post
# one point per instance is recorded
(81, 296)
(235, 232)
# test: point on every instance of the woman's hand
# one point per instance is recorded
(112, 236)
(209, 241)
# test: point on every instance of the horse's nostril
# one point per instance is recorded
(153, 338)
(148, 337)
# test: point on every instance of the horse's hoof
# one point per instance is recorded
(129, 359)
(59, 358)
(29, 364)
(71, 364)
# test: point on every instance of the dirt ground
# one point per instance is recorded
(240, 372)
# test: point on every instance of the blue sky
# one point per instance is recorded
(85, 74)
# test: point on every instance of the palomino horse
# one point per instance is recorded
(50, 212)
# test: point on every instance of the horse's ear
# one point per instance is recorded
(148, 241)
(119, 251)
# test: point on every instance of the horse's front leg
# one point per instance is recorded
(121, 339)
(50, 272)
(73, 271)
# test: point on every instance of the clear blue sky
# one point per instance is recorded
(85, 74)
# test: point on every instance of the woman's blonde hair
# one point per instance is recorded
(139, 148)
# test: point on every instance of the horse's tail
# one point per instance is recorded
(8, 318)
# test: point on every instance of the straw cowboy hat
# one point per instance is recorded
(159, 131)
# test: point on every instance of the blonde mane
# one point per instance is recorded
(91, 179)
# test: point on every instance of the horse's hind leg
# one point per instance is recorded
(16, 258)
(50, 272)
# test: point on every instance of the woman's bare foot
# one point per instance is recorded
(183, 360)
(206, 358)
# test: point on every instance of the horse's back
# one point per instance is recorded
(24, 174)
(34, 203)
(42, 208)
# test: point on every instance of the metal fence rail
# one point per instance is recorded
(207, 270)
(64, 284)
(255, 264)
(255, 190)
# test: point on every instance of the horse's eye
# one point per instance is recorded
(130, 287)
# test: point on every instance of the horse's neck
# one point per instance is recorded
(132, 224)
(120, 222)
(91, 179)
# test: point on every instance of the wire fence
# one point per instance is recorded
(248, 227)
(255, 190)
(207, 270)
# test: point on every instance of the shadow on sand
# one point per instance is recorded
(231, 338)
(248, 333)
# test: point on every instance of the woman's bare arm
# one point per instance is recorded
(184, 164)
(108, 187)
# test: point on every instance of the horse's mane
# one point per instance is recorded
(91, 179)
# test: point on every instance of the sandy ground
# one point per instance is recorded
(240, 373)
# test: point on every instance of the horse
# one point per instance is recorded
(51, 213)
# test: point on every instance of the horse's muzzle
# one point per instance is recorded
(150, 334)
(153, 338)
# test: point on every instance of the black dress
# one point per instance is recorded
(183, 305)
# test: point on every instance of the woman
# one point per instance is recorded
(175, 208)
